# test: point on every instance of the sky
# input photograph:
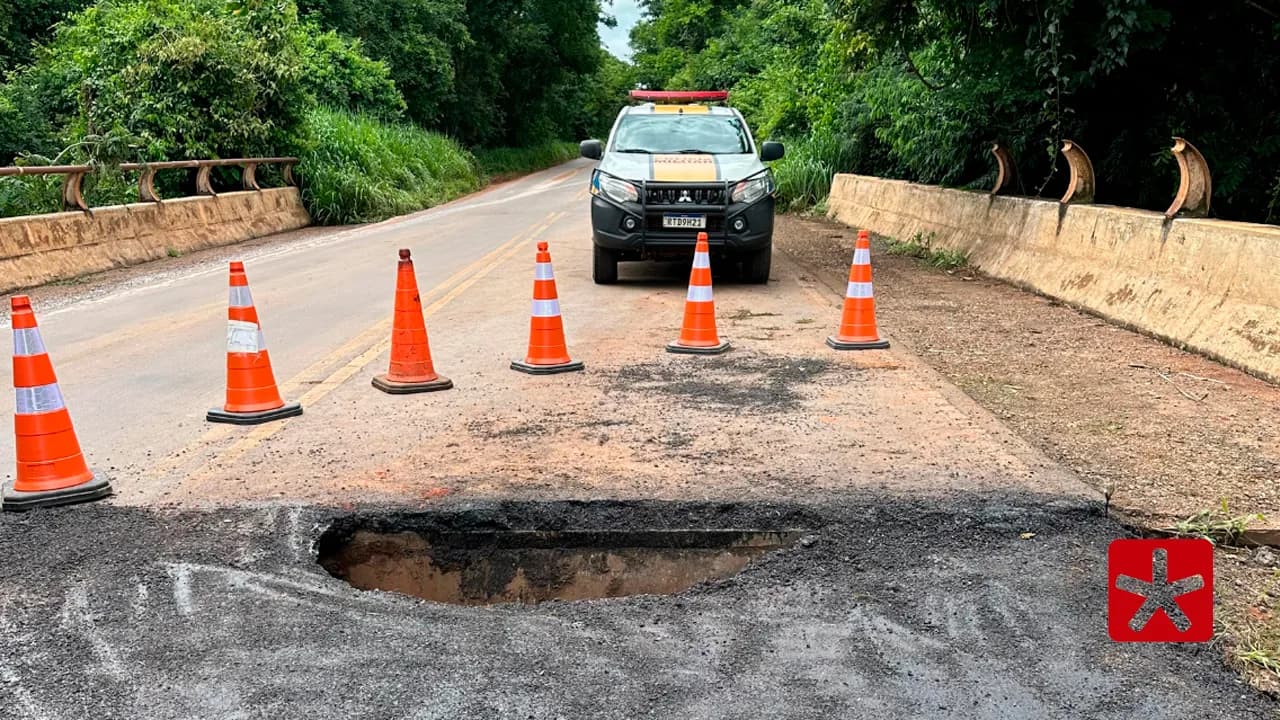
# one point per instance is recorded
(616, 39)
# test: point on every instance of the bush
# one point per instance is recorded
(507, 162)
(417, 39)
(804, 176)
(338, 75)
(361, 169)
(178, 78)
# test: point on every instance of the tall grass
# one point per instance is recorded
(804, 175)
(501, 163)
(358, 169)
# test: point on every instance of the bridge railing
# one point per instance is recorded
(73, 180)
(1192, 198)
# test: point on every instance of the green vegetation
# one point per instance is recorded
(1217, 525)
(500, 163)
(368, 94)
(920, 246)
(360, 169)
(919, 89)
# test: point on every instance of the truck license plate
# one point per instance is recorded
(685, 222)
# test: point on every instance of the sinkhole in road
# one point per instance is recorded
(486, 566)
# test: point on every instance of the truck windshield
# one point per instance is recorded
(682, 133)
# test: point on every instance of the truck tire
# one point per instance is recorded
(604, 268)
(756, 266)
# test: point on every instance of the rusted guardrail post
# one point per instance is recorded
(1195, 184)
(73, 180)
(73, 191)
(1083, 185)
(204, 184)
(248, 176)
(147, 185)
(1007, 171)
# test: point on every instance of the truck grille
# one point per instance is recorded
(672, 195)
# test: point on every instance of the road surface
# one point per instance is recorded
(950, 570)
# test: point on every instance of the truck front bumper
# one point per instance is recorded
(635, 231)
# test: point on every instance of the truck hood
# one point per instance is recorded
(681, 168)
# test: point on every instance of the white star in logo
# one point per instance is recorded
(1160, 594)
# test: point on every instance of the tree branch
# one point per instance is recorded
(911, 67)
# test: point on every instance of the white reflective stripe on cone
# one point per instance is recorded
(858, 290)
(546, 308)
(240, 296)
(862, 256)
(26, 341)
(701, 260)
(700, 293)
(542, 271)
(42, 398)
(244, 337)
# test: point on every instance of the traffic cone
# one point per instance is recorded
(698, 334)
(548, 353)
(51, 467)
(858, 323)
(411, 368)
(252, 395)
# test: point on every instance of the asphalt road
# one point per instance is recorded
(950, 570)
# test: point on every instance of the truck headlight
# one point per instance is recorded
(752, 189)
(614, 189)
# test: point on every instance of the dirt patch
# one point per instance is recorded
(1168, 434)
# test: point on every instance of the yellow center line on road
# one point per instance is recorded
(344, 373)
(359, 344)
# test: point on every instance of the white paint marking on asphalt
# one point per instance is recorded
(218, 266)
(295, 544)
(140, 598)
(26, 702)
(77, 615)
(181, 575)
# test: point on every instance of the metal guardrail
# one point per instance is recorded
(1195, 182)
(72, 184)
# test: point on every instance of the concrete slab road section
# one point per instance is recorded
(923, 560)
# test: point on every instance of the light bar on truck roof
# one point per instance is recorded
(674, 96)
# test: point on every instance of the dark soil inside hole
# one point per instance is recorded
(487, 566)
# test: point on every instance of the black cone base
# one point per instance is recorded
(676, 347)
(402, 388)
(524, 367)
(218, 415)
(95, 489)
(842, 345)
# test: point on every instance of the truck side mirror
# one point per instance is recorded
(591, 149)
(771, 151)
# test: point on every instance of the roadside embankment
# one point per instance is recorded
(1205, 285)
(43, 248)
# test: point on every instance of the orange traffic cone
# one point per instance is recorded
(698, 334)
(252, 395)
(51, 468)
(548, 353)
(858, 324)
(411, 368)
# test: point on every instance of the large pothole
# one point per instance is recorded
(486, 565)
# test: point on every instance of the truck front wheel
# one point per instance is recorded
(756, 266)
(604, 268)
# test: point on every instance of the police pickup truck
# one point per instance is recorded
(673, 167)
